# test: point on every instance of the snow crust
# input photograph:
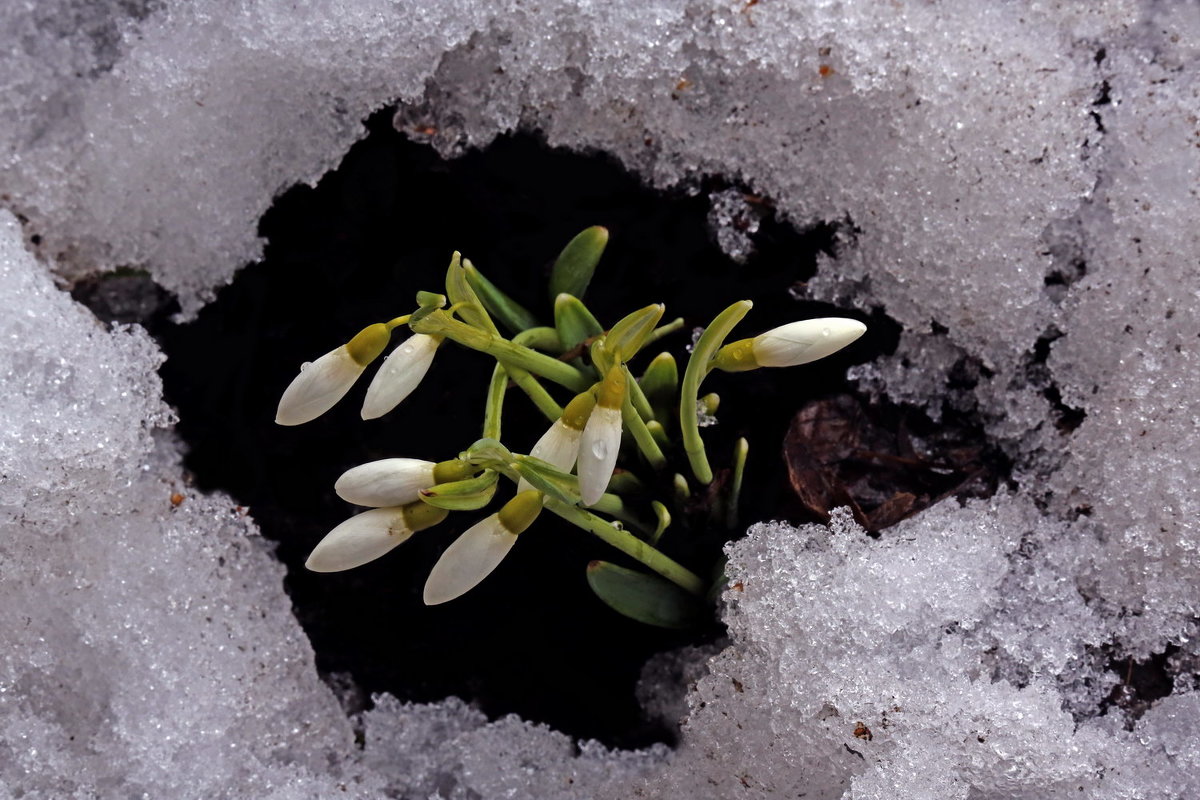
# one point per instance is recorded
(1025, 175)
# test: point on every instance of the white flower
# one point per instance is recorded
(321, 384)
(318, 387)
(559, 445)
(369, 535)
(808, 340)
(400, 373)
(474, 555)
(601, 440)
(387, 482)
(598, 449)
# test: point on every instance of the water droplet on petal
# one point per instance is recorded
(825, 331)
(599, 448)
(305, 365)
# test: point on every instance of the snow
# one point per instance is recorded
(974, 151)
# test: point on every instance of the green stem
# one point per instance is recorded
(710, 341)
(614, 506)
(493, 411)
(740, 449)
(512, 355)
(638, 396)
(633, 423)
(630, 545)
(663, 330)
(538, 394)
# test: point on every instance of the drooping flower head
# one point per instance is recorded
(601, 438)
(559, 445)
(474, 555)
(400, 373)
(321, 384)
(371, 534)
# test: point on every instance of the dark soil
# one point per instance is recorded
(532, 639)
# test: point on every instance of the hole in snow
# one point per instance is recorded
(532, 639)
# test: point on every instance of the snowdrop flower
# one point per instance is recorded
(396, 481)
(399, 374)
(790, 345)
(559, 445)
(321, 384)
(601, 438)
(371, 534)
(474, 555)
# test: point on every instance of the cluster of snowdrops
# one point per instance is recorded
(609, 417)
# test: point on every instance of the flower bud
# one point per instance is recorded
(400, 373)
(474, 555)
(371, 534)
(387, 482)
(321, 384)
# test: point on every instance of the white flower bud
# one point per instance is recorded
(318, 387)
(474, 555)
(598, 448)
(360, 539)
(559, 446)
(808, 340)
(469, 560)
(400, 373)
(369, 535)
(388, 482)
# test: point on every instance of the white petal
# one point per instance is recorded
(558, 447)
(388, 482)
(318, 387)
(400, 373)
(598, 452)
(469, 560)
(808, 340)
(360, 539)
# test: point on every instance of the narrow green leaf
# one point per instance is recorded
(574, 323)
(741, 449)
(540, 338)
(459, 290)
(511, 314)
(574, 266)
(467, 495)
(627, 336)
(659, 383)
(430, 300)
(487, 453)
(698, 365)
(548, 480)
(494, 408)
(663, 521)
(644, 597)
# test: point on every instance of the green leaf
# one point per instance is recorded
(467, 495)
(572, 271)
(540, 338)
(511, 314)
(627, 336)
(663, 517)
(741, 449)
(698, 365)
(548, 480)
(659, 383)
(574, 323)
(487, 452)
(644, 597)
(431, 300)
(460, 292)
